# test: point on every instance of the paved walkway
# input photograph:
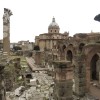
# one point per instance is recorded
(32, 65)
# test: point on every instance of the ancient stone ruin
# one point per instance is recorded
(6, 30)
(59, 67)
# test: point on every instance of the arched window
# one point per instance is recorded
(63, 48)
(69, 55)
(81, 47)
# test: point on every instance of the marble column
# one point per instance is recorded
(6, 30)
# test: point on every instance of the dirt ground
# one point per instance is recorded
(95, 91)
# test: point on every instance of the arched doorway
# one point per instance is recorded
(36, 47)
(81, 47)
(69, 55)
(94, 74)
(63, 47)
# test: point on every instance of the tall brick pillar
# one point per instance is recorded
(2, 83)
(79, 76)
(63, 80)
(6, 30)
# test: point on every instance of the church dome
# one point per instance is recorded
(53, 27)
(53, 24)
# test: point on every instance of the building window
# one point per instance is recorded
(55, 30)
(51, 30)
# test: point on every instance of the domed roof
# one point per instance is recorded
(53, 24)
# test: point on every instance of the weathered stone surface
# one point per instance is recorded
(2, 83)
(63, 82)
(6, 30)
(79, 75)
(41, 91)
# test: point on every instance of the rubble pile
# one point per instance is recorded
(42, 90)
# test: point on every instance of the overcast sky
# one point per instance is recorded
(32, 17)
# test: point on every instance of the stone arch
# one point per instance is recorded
(90, 51)
(70, 45)
(70, 50)
(69, 55)
(93, 68)
(81, 45)
(63, 47)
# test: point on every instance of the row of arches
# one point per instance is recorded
(70, 50)
(81, 45)
(94, 67)
(69, 54)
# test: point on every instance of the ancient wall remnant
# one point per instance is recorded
(2, 83)
(79, 76)
(63, 80)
